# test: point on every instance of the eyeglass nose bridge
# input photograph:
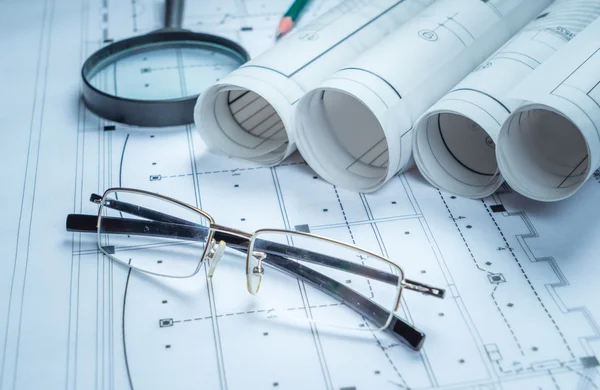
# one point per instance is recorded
(214, 255)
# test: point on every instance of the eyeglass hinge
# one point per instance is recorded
(423, 288)
(95, 198)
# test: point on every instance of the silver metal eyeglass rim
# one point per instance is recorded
(289, 250)
(278, 255)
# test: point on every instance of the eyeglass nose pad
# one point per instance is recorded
(255, 272)
(215, 254)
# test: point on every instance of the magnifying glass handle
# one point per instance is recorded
(174, 13)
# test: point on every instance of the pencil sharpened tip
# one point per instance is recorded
(285, 25)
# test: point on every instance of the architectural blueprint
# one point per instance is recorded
(521, 277)
(267, 88)
(577, 84)
(390, 86)
(481, 101)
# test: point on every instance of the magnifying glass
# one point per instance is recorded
(155, 79)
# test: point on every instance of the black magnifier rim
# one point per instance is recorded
(155, 113)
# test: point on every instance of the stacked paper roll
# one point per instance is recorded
(455, 141)
(550, 145)
(475, 92)
(355, 128)
(248, 114)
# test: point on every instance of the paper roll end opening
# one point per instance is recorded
(241, 123)
(456, 154)
(342, 140)
(542, 154)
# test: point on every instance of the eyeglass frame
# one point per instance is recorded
(405, 332)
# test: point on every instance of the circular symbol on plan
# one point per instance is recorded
(309, 37)
(428, 35)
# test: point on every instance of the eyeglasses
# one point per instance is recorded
(161, 236)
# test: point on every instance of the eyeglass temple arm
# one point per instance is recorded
(406, 333)
(357, 269)
(140, 211)
(297, 253)
(87, 223)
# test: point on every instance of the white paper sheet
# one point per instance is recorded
(550, 145)
(522, 310)
(248, 114)
(454, 142)
(355, 129)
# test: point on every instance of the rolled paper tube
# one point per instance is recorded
(550, 145)
(248, 114)
(547, 153)
(355, 129)
(454, 141)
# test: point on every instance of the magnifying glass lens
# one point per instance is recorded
(163, 70)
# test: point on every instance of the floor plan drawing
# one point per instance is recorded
(521, 310)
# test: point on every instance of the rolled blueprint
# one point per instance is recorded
(248, 114)
(454, 142)
(355, 129)
(550, 145)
